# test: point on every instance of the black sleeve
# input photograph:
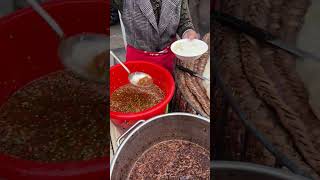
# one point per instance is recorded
(185, 18)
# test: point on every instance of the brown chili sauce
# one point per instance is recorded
(54, 119)
(99, 66)
(145, 82)
(132, 99)
(174, 159)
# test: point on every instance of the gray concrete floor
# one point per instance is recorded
(6, 7)
(116, 41)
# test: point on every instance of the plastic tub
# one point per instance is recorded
(29, 51)
(161, 77)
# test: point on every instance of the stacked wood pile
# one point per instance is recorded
(266, 85)
(191, 95)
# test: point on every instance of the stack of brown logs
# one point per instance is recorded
(266, 85)
(191, 95)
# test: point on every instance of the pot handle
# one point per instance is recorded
(120, 139)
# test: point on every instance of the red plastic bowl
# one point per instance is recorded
(29, 51)
(161, 77)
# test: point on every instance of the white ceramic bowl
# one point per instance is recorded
(189, 50)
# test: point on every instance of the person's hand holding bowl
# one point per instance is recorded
(190, 34)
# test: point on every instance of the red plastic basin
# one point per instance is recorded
(161, 77)
(28, 51)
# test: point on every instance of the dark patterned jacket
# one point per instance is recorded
(151, 25)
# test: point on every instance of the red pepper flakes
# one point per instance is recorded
(173, 159)
(132, 99)
(55, 119)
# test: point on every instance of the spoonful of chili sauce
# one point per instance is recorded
(139, 79)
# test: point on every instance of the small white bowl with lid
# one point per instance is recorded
(189, 50)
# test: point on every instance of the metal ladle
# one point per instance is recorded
(135, 77)
(66, 52)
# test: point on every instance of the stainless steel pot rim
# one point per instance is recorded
(251, 167)
(146, 122)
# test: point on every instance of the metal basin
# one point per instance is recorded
(181, 126)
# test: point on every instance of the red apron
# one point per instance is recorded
(165, 58)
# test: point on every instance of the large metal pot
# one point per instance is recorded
(144, 134)
(230, 170)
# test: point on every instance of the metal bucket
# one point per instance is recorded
(144, 134)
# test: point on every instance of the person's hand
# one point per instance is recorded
(190, 34)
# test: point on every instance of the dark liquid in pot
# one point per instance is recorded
(174, 159)
(132, 99)
(56, 118)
